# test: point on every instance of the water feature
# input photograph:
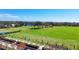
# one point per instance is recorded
(1, 33)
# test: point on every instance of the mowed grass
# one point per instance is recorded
(62, 35)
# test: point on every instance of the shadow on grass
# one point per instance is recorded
(34, 28)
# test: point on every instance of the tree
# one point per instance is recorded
(38, 24)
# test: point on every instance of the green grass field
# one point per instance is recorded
(63, 35)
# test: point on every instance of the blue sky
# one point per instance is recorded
(54, 15)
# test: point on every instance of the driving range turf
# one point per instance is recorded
(66, 36)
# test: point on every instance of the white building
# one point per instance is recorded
(13, 25)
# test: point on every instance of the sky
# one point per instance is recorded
(50, 15)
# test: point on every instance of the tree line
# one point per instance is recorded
(37, 23)
(6, 24)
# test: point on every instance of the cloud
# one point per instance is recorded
(7, 15)
(10, 17)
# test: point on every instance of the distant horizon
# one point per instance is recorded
(39, 21)
(42, 15)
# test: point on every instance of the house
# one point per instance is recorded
(13, 25)
(7, 25)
